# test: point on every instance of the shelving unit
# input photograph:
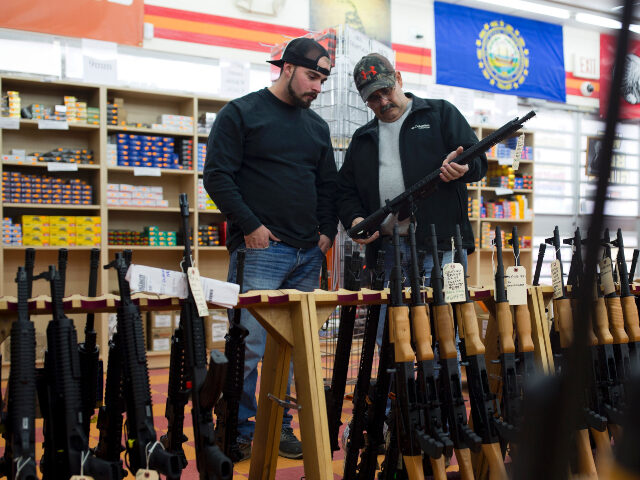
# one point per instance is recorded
(142, 107)
(480, 265)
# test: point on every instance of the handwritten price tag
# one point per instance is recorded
(144, 474)
(556, 278)
(81, 477)
(62, 167)
(53, 125)
(10, 123)
(454, 290)
(147, 172)
(517, 285)
(196, 289)
(606, 276)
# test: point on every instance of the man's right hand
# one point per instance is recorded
(363, 241)
(259, 238)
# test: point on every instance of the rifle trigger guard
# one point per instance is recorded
(288, 402)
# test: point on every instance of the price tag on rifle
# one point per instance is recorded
(144, 474)
(82, 477)
(556, 278)
(606, 276)
(454, 290)
(196, 289)
(517, 154)
(517, 285)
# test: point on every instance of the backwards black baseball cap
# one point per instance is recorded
(303, 52)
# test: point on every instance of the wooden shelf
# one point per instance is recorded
(506, 220)
(81, 166)
(147, 209)
(505, 249)
(148, 131)
(33, 124)
(146, 247)
(212, 249)
(514, 190)
(215, 212)
(496, 159)
(163, 171)
(49, 206)
(18, 248)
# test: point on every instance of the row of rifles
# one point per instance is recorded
(69, 388)
(428, 418)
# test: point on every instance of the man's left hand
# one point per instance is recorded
(452, 171)
(324, 243)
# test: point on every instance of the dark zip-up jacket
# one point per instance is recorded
(432, 130)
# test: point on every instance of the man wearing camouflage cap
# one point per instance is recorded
(409, 138)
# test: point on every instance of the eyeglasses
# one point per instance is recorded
(376, 97)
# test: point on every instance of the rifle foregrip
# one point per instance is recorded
(472, 342)
(399, 317)
(444, 331)
(523, 328)
(493, 454)
(586, 464)
(505, 327)
(422, 332)
(463, 455)
(563, 318)
(415, 470)
(214, 381)
(603, 449)
(602, 322)
(631, 319)
(616, 320)
(438, 468)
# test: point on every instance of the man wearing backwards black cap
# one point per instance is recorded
(270, 169)
(409, 138)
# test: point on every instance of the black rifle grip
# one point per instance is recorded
(29, 263)
(63, 256)
(536, 275)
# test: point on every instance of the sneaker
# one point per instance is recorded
(290, 446)
(244, 451)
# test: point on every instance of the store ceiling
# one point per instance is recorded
(605, 8)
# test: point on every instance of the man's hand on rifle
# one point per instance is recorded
(364, 241)
(259, 238)
(452, 171)
(324, 244)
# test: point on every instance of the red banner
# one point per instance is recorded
(630, 94)
(108, 20)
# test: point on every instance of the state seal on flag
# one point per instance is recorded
(502, 55)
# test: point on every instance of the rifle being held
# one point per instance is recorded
(427, 185)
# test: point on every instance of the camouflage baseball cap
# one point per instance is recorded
(373, 72)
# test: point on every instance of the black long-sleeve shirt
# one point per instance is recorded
(270, 163)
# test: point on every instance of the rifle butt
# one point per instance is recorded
(586, 464)
(413, 464)
(438, 468)
(493, 454)
(463, 456)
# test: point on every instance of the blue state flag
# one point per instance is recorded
(498, 53)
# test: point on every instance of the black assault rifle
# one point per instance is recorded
(234, 349)
(142, 448)
(428, 184)
(19, 461)
(66, 447)
(335, 393)
(203, 384)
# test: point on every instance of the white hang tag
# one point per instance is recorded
(556, 278)
(454, 290)
(517, 285)
(156, 280)
(144, 474)
(82, 477)
(606, 276)
(517, 155)
(196, 289)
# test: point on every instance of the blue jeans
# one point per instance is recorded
(389, 261)
(276, 267)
